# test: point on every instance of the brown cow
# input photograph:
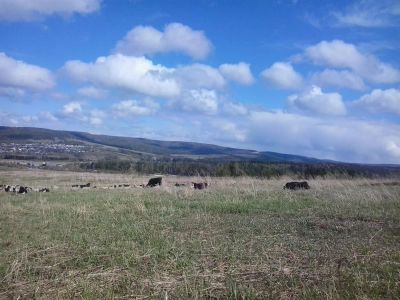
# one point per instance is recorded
(199, 185)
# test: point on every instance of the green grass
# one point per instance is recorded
(241, 239)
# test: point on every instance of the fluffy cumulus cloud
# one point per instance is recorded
(201, 101)
(381, 101)
(136, 74)
(197, 76)
(283, 76)
(16, 76)
(369, 13)
(339, 54)
(313, 100)
(135, 108)
(340, 79)
(176, 37)
(27, 10)
(72, 108)
(239, 73)
(141, 75)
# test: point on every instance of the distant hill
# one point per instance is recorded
(26, 147)
(104, 145)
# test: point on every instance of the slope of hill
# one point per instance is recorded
(136, 147)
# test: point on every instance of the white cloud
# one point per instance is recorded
(230, 130)
(92, 92)
(381, 101)
(72, 108)
(96, 117)
(176, 37)
(11, 119)
(141, 75)
(48, 116)
(27, 10)
(16, 76)
(197, 76)
(315, 101)
(239, 73)
(339, 54)
(338, 139)
(128, 72)
(369, 13)
(393, 148)
(340, 79)
(235, 108)
(203, 101)
(283, 76)
(29, 119)
(135, 108)
(335, 53)
(10, 92)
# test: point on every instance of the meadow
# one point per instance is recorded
(242, 238)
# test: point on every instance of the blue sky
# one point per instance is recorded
(314, 78)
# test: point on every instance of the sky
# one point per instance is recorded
(313, 78)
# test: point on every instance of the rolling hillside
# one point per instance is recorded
(136, 147)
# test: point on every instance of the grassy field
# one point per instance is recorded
(240, 239)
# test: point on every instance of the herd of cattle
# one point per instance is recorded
(153, 182)
(19, 189)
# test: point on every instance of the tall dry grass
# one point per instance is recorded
(241, 238)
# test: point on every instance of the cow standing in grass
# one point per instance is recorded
(154, 182)
(296, 185)
(199, 185)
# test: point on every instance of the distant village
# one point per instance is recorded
(38, 149)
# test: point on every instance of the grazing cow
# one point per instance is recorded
(199, 185)
(44, 190)
(180, 184)
(84, 185)
(22, 190)
(126, 185)
(75, 185)
(295, 185)
(17, 189)
(154, 181)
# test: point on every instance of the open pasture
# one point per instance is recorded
(242, 238)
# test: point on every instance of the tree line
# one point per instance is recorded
(188, 167)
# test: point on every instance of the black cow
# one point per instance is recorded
(297, 185)
(22, 190)
(84, 185)
(154, 182)
(199, 185)
(180, 184)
